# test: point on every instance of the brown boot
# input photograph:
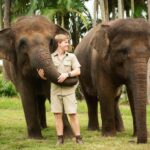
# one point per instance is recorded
(79, 140)
(60, 140)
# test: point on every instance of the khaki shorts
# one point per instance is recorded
(68, 103)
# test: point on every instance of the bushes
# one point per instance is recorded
(6, 88)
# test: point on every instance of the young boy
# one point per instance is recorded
(62, 97)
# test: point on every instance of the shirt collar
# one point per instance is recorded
(56, 53)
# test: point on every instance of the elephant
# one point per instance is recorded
(113, 54)
(25, 47)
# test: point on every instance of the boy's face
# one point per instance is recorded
(64, 45)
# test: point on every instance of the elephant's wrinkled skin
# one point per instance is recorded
(25, 47)
(111, 55)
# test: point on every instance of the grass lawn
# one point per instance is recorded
(13, 135)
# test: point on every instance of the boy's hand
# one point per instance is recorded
(62, 77)
(41, 73)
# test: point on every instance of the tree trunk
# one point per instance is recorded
(132, 8)
(6, 19)
(7, 13)
(148, 5)
(95, 13)
(120, 8)
(62, 21)
(1, 16)
(148, 82)
(106, 10)
(75, 33)
(113, 9)
(102, 7)
(148, 69)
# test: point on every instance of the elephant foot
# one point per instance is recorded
(120, 129)
(142, 140)
(44, 126)
(39, 137)
(93, 128)
(35, 134)
(110, 133)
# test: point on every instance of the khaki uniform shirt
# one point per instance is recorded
(68, 63)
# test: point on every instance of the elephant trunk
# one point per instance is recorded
(42, 60)
(139, 82)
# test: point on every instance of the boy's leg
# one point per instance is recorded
(57, 109)
(59, 128)
(74, 124)
(76, 127)
(59, 123)
(70, 106)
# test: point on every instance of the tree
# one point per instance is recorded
(95, 12)
(120, 8)
(148, 68)
(1, 16)
(73, 16)
(104, 10)
(7, 6)
(148, 6)
(132, 8)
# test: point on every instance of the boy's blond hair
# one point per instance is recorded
(61, 37)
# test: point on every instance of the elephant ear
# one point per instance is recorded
(59, 30)
(100, 40)
(7, 44)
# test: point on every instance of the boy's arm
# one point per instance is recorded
(74, 73)
(64, 76)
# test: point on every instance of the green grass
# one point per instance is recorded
(13, 134)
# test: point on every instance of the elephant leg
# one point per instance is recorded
(107, 93)
(118, 117)
(31, 114)
(92, 104)
(42, 110)
(131, 101)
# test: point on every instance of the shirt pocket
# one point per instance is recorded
(67, 65)
(56, 63)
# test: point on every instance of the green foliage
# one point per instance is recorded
(6, 88)
(71, 15)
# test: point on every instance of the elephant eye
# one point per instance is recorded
(23, 45)
(123, 51)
